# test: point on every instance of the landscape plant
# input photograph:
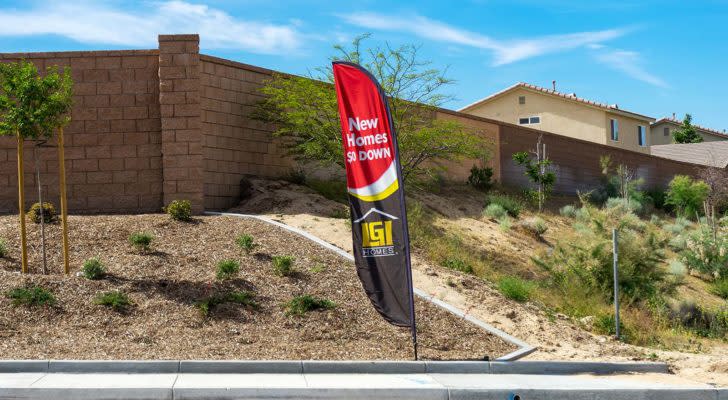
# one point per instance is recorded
(512, 205)
(116, 300)
(707, 253)
(32, 106)
(458, 264)
(179, 210)
(568, 211)
(283, 265)
(142, 241)
(480, 178)
(719, 287)
(49, 213)
(686, 133)
(34, 296)
(244, 297)
(687, 195)
(515, 288)
(93, 269)
(227, 269)
(535, 226)
(3, 248)
(300, 305)
(539, 170)
(246, 243)
(495, 211)
(304, 110)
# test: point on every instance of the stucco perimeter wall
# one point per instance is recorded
(577, 161)
(487, 130)
(113, 143)
(234, 144)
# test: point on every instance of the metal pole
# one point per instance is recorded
(21, 209)
(64, 205)
(616, 281)
(40, 201)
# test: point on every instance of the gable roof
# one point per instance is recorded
(675, 121)
(712, 154)
(613, 108)
(374, 210)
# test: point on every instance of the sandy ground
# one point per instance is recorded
(166, 284)
(557, 339)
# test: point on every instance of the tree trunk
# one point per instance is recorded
(21, 208)
(64, 205)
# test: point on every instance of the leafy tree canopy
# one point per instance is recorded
(687, 132)
(32, 105)
(304, 110)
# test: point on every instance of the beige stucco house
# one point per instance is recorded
(566, 114)
(661, 132)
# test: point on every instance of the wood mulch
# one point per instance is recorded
(166, 284)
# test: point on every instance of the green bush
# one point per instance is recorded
(246, 243)
(623, 206)
(208, 304)
(505, 223)
(678, 270)
(49, 213)
(34, 296)
(707, 253)
(93, 269)
(283, 265)
(568, 211)
(719, 287)
(116, 300)
(300, 305)
(687, 195)
(179, 210)
(606, 324)
(495, 211)
(3, 248)
(226, 269)
(480, 178)
(141, 241)
(657, 196)
(515, 288)
(535, 226)
(512, 205)
(458, 264)
(703, 321)
(678, 227)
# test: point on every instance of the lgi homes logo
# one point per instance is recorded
(376, 233)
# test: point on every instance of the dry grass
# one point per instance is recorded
(164, 285)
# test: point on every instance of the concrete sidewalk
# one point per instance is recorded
(344, 380)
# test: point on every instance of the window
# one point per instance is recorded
(641, 136)
(521, 99)
(529, 120)
(615, 129)
(665, 131)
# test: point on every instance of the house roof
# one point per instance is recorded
(712, 154)
(675, 121)
(613, 108)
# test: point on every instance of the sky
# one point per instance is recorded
(651, 57)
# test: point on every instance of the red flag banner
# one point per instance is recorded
(376, 197)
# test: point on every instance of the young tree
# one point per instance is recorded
(687, 132)
(539, 170)
(687, 195)
(31, 106)
(305, 112)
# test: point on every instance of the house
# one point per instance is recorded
(661, 131)
(711, 154)
(567, 115)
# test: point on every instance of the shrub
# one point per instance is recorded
(687, 195)
(535, 226)
(297, 176)
(246, 243)
(34, 296)
(511, 205)
(3, 248)
(93, 269)
(678, 243)
(655, 220)
(334, 190)
(706, 252)
(506, 223)
(606, 324)
(141, 241)
(624, 206)
(49, 213)
(480, 178)
(246, 298)
(657, 196)
(226, 269)
(300, 305)
(719, 287)
(458, 264)
(116, 300)
(515, 288)
(704, 322)
(495, 211)
(582, 214)
(283, 265)
(179, 210)
(568, 211)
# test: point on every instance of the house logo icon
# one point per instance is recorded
(376, 233)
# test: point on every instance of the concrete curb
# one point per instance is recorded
(326, 367)
(524, 348)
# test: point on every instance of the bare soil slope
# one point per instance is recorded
(165, 285)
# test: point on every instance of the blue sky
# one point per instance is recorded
(650, 57)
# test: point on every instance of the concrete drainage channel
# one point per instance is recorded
(422, 380)
(524, 348)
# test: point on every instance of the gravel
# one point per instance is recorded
(165, 285)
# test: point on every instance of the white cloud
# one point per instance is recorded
(99, 24)
(504, 51)
(630, 63)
